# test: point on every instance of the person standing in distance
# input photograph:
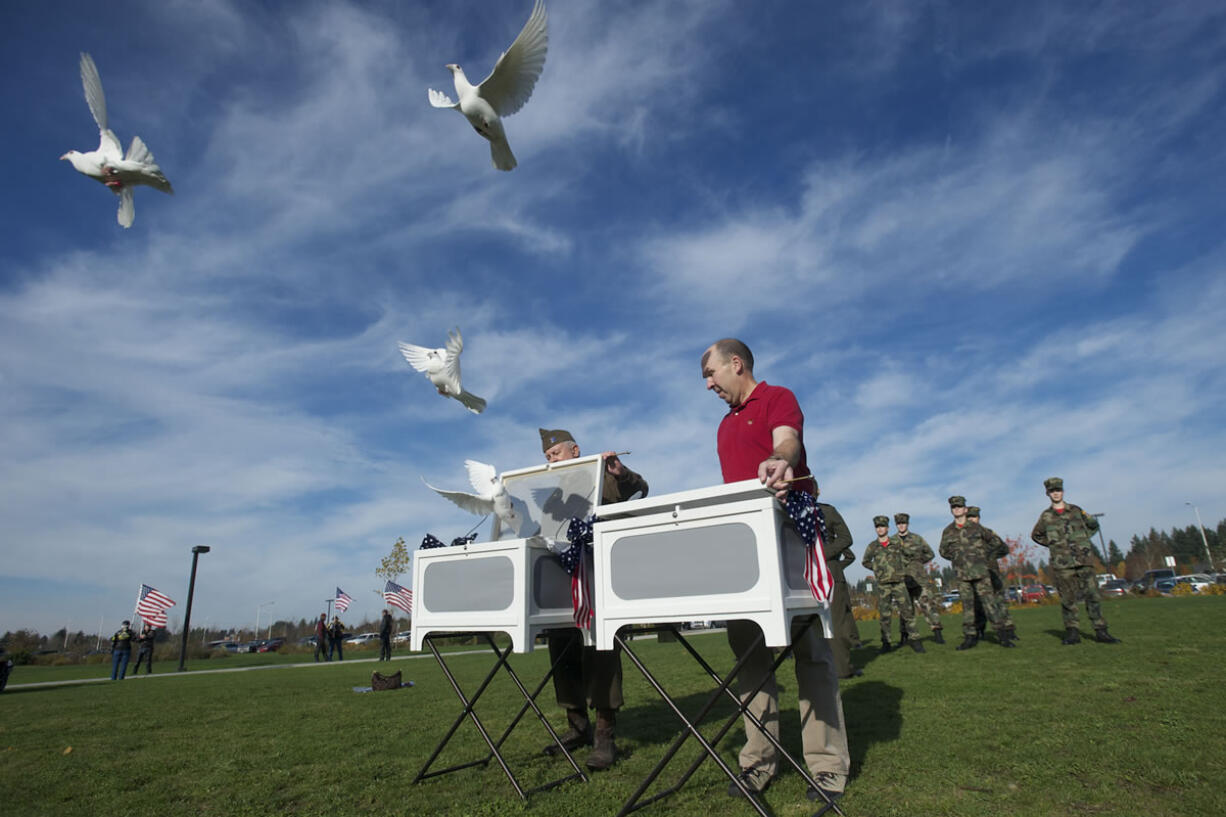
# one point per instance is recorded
(121, 650)
(1065, 530)
(385, 637)
(145, 652)
(997, 550)
(839, 556)
(762, 437)
(887, 559)
(965, 544)
(926, 599)
(586, 677)
(321, 638)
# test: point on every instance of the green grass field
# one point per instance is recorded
(1130, 729)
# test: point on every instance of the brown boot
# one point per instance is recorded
(579, 733)
(604, 752)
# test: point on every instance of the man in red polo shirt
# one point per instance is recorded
(762, 437)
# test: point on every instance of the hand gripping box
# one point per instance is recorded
(512, 583)
(724, 552)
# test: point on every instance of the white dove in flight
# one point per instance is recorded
(505, 90)
(108, 164)
(491, 496)
(442, 366)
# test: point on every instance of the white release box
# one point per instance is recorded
(718, 553)
(512, 583)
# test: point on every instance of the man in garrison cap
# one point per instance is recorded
(587, 677)
(920, 588)
(888, 561)
(965, 544)
(997, 550)
(1065, 530)
(839, 556)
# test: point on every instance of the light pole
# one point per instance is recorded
(187, 615)
(1103, 542)
(258, 610)
(1204, 539)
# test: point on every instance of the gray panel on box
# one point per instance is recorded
(701, 561)
(794, 557)
(550, 583)
(469, 585)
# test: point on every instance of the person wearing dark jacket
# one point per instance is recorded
(385, 637)
(321, 638)
(336, 642)
(145, 651)
(121, 651)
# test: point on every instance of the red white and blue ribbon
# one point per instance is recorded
(577, 561)
(810, 523)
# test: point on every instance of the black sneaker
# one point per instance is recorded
(749, 779)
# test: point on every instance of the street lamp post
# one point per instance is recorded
(258, 610)
(187, 615)
(1204, 539)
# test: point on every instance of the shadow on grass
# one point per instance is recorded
(873, 713)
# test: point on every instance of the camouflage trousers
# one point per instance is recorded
(891, 596)
(927, 600)
(998, 584)
(1075, 584)
(981, 590)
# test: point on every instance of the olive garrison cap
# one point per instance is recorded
(901, 518)
(881, 521)
(1053, 484)
(972, 510)
(957, 502)
(126, 622)
(551, 437)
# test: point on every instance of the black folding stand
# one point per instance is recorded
(691, 726)
(495, 746)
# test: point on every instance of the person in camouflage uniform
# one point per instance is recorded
(965, 544)
(888, 561)
(1065, 530)
(997, 550)
(924, 596)
(838, 557)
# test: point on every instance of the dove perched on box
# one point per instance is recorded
(491, 496)
(442, 366)
(108, 164)
(505, 90)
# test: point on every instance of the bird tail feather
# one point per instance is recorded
(127, 208)
(472, 402)
(500, 152)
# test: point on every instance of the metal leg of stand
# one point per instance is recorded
(708, 747)
(469, 712)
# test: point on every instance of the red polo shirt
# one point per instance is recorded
(744, 438)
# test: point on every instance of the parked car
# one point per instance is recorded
(1051, 591)
(1165, 586)
(1152, 577)
(1199, 581)
(272, 645)
(402, 637)
(308, 641)
(228, 646)
(1013, 593)
(364, 638)
(1034, 593)
(948, 599)
(1115, 588)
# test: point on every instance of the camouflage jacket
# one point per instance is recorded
(838, 542)
(967, 549)
(1066, 535)
(997, 548)
(888, 562)
(917, 550)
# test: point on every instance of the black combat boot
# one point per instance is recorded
(1004, 637)
(579, 734)
(885, 646)
(917, 646)
(1103, 637)
(1071, 636)
(1013, 636)
(968, 642)
(604, 751)
(937, 638)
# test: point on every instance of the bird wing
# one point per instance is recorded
(140, 168)
(468, 502)
(127, 207)
(440, 100)
(417, 356)
(451, 361)
(108, 142)
(471, 401)
(510, 84)
(483, 477)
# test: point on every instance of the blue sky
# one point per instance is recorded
(983, 246)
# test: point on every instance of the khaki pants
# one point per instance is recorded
(823, 734)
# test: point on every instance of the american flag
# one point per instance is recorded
(342, 600)
(575, 560)
(151, 605)
(810, 523)
(402, 597)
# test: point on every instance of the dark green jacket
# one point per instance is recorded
(838, 542)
